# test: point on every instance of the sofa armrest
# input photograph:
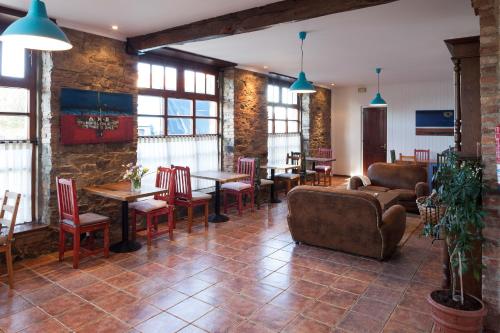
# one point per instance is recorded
(392, 229)
(422, 189)
(355, 182)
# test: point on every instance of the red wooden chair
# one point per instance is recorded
(422, 155)
(185, 197)
(8, 215)
(70, 221)
(324, 168)
(161, 204)
(243, 187)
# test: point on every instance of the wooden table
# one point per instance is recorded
(121, 192)
(315, 160)
(219, 177)
(273, 167)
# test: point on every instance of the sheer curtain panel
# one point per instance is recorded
(15, 175)
(278, 145)
(199, 153)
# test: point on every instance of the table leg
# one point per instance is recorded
(217, 217)
(274, 199)
(125, 245)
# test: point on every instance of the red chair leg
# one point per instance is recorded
(76, 249)
(106, 241)
(148, 226)
(240, 204)
(171, 225)
(62, 241)
(190, 218)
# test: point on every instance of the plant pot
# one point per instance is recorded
(450, 320)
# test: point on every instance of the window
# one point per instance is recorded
(283, 122)
(18, 127)
(282, 110)
(172, 105)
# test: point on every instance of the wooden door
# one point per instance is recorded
(374, 136)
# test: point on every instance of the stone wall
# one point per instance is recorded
(94, 63)
(489, 12)
(320, 129)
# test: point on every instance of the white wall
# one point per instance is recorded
(403, 100)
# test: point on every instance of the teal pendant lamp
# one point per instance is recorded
(378, 100)
(301, 85)
(36, 31)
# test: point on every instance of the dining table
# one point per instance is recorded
(273, 168)
(315, 160)
(219, 177)
(121, 191)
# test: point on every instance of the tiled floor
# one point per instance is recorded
(245, 275)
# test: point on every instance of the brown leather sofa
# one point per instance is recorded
(409, 181)
(349, 221)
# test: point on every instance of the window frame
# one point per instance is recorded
(271, 104)
(27, 82)
(180, 93)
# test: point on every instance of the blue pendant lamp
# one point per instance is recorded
(378, 100)
(36, 31)
(301, 85)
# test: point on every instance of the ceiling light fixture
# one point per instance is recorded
(114, 27)
(301, 85)
(36, 31)
(378, 100)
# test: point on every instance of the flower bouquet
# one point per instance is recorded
(134, 173)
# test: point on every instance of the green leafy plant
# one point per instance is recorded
(459, 190)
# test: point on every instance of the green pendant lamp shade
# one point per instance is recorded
(36, 31)
(301, 85)
(378, 100)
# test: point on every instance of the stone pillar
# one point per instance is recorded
(320, 111)
(489, 12)
(228, 119)
(94, 63)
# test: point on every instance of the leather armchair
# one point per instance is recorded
(348, 221)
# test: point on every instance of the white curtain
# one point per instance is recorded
(199, 153)
(278, 145)
(15, 175)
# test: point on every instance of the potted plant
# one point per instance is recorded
(459, 190)
(134, 173)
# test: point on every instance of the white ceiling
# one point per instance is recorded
(405, 38)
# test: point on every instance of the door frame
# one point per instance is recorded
(362, 108)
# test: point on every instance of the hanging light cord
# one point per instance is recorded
(302, 55)
(378, 83)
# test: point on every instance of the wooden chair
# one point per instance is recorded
(324, 168)
(185, 197)
(422, 155)
(161, 204)
(289, 178)
(8, 214)
(296, 159)
(393, 156)
(261, 183)
(407, 158)
(242, 187)
(70, 221)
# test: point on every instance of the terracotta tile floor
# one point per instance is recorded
(245, 275)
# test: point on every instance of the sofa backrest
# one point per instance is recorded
(339, 219)
(396, 176)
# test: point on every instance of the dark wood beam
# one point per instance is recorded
(246, 21)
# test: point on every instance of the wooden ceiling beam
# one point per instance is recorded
(248, 20)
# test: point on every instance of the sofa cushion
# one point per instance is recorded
(405, 195)
(373, 188)
(235, 186)
(396, 176)
(148, 205)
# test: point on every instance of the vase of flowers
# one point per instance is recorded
(134, 173)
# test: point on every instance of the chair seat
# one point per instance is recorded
(198, 196)
(88, 219)
(288, 175)
(323, 168)
(236, 186)
(264, 182)
(149, 205)
(310, 172)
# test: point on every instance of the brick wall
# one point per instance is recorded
(489, 12)
(94, 63)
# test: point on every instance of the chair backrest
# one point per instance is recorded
(325, 153)
(67, 201)
(441, 159)
(183, 189)
(165, 178)
(408, 158)
(422, 155)
(247, 166)
(393, 156)
(295, 158)
(8, 212)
